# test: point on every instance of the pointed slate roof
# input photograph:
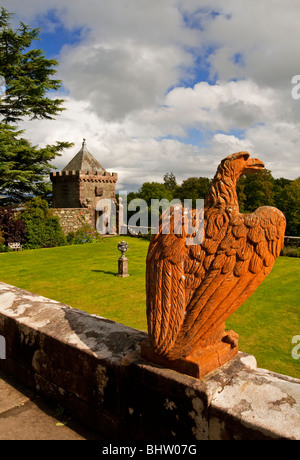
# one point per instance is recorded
(84, 161)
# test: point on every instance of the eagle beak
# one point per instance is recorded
(252, 165)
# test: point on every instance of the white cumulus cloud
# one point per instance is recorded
(142, 76)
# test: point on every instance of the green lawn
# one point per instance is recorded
(83, 277)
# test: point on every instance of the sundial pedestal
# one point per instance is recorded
(123, 261)
(122, 267)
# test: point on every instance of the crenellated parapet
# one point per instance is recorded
(85, 176)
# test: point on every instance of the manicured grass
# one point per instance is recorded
(270, 318)
(83, 276)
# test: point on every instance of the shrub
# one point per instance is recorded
(3, 248)
(2, 239)
(290, 251)
(70, 237)
(42, 229)
(83, 235)
(54, 235)
(12, 227)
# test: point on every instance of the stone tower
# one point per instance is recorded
(82, 184)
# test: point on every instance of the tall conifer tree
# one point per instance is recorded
(28, 77)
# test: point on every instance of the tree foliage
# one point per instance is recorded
(24, 168)
(148, 192)
(170, 182)
(193, 188)
(254, 191)
(292, 207)
(27, 72)
(154, 191)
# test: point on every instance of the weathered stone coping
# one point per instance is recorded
(92, 367)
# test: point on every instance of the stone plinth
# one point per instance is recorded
(122, 267)
(196, 365)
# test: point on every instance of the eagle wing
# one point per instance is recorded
(241, 261)
(173, 272)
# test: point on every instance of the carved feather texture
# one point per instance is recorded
(192, 290)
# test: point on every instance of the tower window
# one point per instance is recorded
(98, 191)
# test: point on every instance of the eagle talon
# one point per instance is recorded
(231, 337)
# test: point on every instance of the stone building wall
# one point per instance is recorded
(75, 189)
(71, 219)
(66, 192)
(94, 188)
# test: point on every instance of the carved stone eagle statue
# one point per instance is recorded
(193, 289)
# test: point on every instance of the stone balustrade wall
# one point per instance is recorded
(92, 367)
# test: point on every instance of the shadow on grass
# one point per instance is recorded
(104, 271)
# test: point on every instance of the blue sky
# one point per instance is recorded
(174, 86)
(52, 41)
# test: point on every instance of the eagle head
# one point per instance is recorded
(237, 164)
